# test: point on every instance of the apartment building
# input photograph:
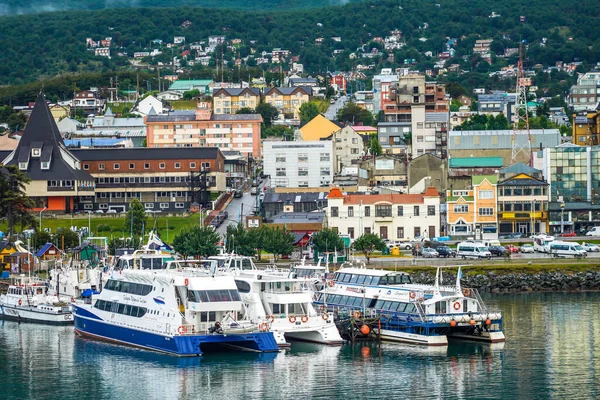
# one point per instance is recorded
(348, 148)
(202, 128)
(299, 164)
(585, 95)
(391, 216)
(229, 101)
(288, 100)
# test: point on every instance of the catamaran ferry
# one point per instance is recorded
(26, 300)
(282, 301)
(414, 313)
(177, 312)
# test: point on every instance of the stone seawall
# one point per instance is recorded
(520, 282)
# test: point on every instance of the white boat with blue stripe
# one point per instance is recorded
(182, 313)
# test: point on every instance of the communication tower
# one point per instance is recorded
(521, 138)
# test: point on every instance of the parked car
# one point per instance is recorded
(595, 231)
(526, 248)
(590, 247)
(238, 193)
(428, 252)
(254, 190)
(569, 234)
(445, 251)
(223, 215)
(498, 251)
(512, 248)
(111, 211)
(99, 212)
(215, 222)
(398, 243)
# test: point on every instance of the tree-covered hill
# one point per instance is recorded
(13, 7)
(47, 44)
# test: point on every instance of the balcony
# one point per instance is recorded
(61, 189)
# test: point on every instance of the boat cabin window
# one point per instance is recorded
(118, 308)
(207, 296)
(441, 307)
(246, 264)
(361, 279)
(128, 287)
(383, 280)
(208, 316)
(394, 306)
(122, 264)
(153, 262)
(243, 287)
(296, 309)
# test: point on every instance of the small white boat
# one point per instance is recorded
(27, 301)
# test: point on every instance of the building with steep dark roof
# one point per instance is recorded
(57, 178)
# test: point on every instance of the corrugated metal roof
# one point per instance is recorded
(475, 162)
(520, 168)
(437, 117)
(189, 84)
(478, 140)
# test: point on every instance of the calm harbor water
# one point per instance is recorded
(552, 351)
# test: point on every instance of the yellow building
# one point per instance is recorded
(586, 128)
(459, 214)
(229, 101)
(287, 100)
(318, 128)
(59, 112)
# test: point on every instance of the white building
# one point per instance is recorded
(298, 164)
(429, 132)
(391, 216)
(149, 103)
(348, 148)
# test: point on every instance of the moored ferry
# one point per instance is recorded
(413, 313)
(182, 313)
(26, 300)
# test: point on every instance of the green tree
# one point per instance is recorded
(130, 243)
(70, 238)
(257, 237)
(14, 203)
(307, 112)
(40, 238)
(245, 110)
(135, 220)
(354, 115)
(278, 131)
(239, 240)
(268, 112)
(191, 94)
(374, 146)
(278, 242)
(367, 244)
(196, 242)
(327, 239)
(329, 93)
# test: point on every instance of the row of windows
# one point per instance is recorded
(383, 234)
(302, 171)
(519, 207)
(372, 280)
(128, 287)
(119, 308)
(145, 179)
(522, 192)
(207, 296)
(395, 306)
(162, 165)
(384, 211)
(340, 300)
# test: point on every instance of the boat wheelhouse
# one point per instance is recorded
(177, 311)
(408, 312)
(144, 259)
(26, 300)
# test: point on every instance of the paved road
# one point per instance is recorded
(238, 209)
(332, 111)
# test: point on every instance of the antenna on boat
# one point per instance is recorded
(436, 286)
(458, 276)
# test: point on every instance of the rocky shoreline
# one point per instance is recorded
(520, 282)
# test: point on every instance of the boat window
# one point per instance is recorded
(465, 303)
(406, 279)
(205, 296)
(440, 307)
(361, 279)
(353, 278)
(378, 304)
(375, 281)
(277, 309)
(383, 280)
(371, 303)
(358, 302)
(243, 287)
(401, 307)
(347, 300)
(368, 280)
(121, 308)
(410, 308)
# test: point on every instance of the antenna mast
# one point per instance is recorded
(521, 139)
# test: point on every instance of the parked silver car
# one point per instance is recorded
(428, 252)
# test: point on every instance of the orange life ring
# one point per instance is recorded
(457, 305)
(72, 299)
(187, 282)
(181, 330)
(413, 295)
(466, 292)
(270, 318)
(331, 283)
(20, 301)
(263, 327)
(356, 314)
(325, 316)
(292, 318)
(304, 318)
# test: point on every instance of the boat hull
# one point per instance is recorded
(406, 337)
(90, 325)
(22, 314)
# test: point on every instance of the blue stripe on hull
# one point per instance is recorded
(177, 345)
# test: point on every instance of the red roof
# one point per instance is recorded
(431, 192)
(335, 193)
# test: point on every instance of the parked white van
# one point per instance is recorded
(473, 250)
(566, 249)
(491, 242)
(542, 243)
(595, 231)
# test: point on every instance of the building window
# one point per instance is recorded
(280, 159)
(177, 165)
(86, 166)
(351, 211)
(461, 208)
(303, 184)
(400, 232)
(164, 205)
(302, 157)
(131, 166)
(367, 230)
(116, 166)
(416, 211)
(383, 211)
(192, 165)
(325, 157)
(430, 211)
(146, 165)
(325, 171)
(400, 211)
(486, 194)
(100, 166)
(179, 205)
(486, 211)
(302, 171)
(161, 165)
(351, 232)
(417, 231)
(335, 212)
(280, 172)
(367, 211)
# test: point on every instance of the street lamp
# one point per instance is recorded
(41, 211)
(562, 217)
(89, 223)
